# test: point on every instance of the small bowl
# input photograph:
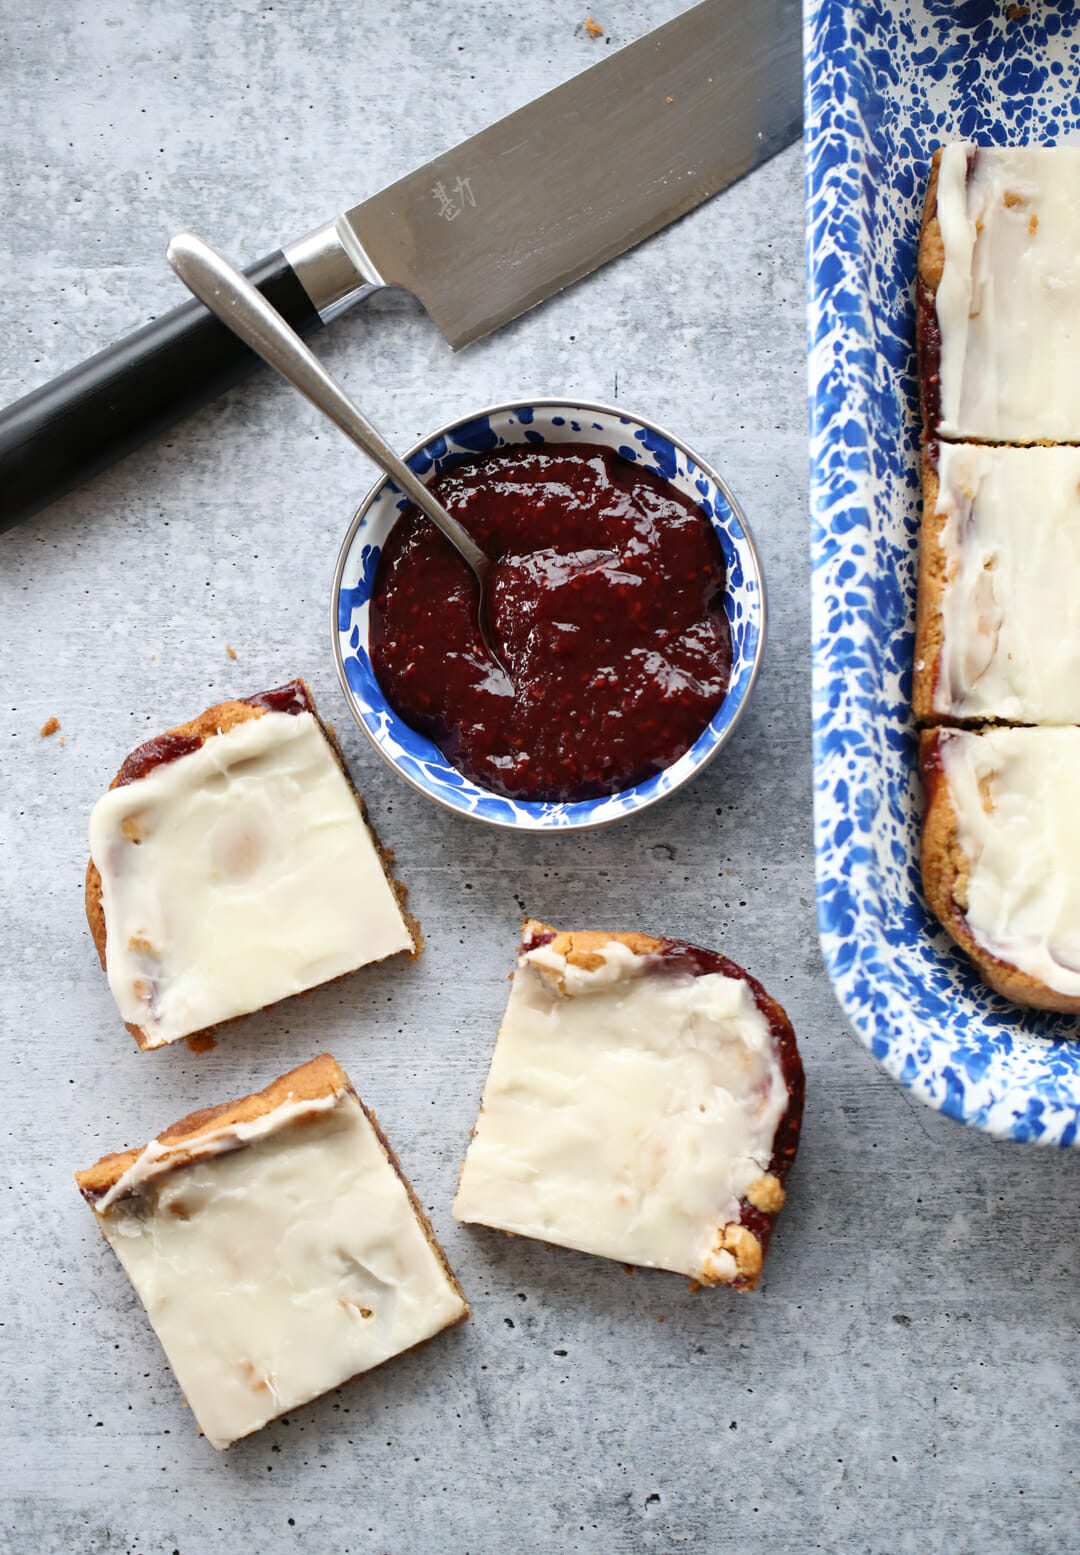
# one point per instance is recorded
(413, 755)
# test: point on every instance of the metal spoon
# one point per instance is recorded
(245, 310)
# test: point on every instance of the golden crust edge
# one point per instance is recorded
(932, 577)
(931, 255)
(319, 1077)
(745, 1248)
(767, 1193)
(583, 948)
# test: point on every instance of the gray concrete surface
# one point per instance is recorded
(905, 1378)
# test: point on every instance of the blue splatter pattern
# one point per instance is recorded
(886, 82)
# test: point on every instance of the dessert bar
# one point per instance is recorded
(1001, 855)
(232, 865)
(276, 1247)
(998, 293)
(998, 626)
(643, 1103)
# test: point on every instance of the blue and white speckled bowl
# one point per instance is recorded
(886, 81)
(417, 760)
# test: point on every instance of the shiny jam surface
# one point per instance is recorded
(606, 600)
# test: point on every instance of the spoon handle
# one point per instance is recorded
(229, 294)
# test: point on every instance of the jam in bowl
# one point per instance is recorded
(625, 599)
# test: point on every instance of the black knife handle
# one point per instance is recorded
(68, 430)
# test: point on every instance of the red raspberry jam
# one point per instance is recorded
(607, 606)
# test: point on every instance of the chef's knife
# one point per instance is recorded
(479, 235)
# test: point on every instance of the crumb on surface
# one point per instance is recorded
(693, 1287)
(659, 1317)
(50, 726)
(669, 99)
(201, 1042)
(230, 650)
(1017, 13)
(594, 29)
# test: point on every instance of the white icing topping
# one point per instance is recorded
(628, 1116)
(278, 1270)
(1010, 608)
(1016, 793)
(236, 876)
(1008, 304)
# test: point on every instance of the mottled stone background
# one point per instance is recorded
(904, 1380)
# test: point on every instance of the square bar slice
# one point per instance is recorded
(998, 294)
(1001, 855)
(276, 1246)
(998, 628)
(643, 1103)
(232, 865)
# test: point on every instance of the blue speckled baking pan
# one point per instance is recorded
(885, 84)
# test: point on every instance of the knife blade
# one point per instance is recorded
(479, 235)
(538, 200)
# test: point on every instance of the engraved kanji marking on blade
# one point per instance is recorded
(453, 201)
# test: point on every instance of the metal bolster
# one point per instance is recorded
(333, 275)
